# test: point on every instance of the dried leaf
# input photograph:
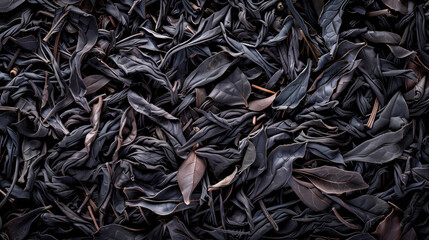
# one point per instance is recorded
(333, 180)
(190, 174)
(292, 94)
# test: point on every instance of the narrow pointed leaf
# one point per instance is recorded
(292, 94)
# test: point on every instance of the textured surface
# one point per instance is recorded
(217, 119)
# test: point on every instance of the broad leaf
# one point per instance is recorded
(261, 104)
(189, 175)
(331, 21)
(232, 91)
(309, 195)
(279, 169)
(383, 148)
(208, 71)
(292, 94)
(333, 180)
(369, 207)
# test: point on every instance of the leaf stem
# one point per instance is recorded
(263, 89)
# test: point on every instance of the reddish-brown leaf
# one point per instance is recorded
(261, 104)
(189, 175)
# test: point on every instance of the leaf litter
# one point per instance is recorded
(214, 119)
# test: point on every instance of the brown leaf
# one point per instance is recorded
(95, 122)
(189, 175)
(309, 195)
(261, 104)
(128, 120)
(94, 82)
(333, 180)
(343, 221)
(397, 5)
(389, 228)
(224, 182)
(200, 96)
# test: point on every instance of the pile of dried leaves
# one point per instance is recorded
(237, 119)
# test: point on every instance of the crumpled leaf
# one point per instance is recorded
(95, 122)
(19, 227)
(158, 115)
(88, 35)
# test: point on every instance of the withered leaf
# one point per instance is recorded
(390, 227)
(383, 148)
(190, 174)
(224, 182)
(95, 122)
(279, 168)
(261, 104)
(233, 90)
(309, 195)
(333, 180)
(208, 71)
(292, 94)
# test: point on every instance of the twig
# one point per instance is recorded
(93, 218)
(263, 89)
(371, 119)
(267, 214)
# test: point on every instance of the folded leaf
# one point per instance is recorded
(292, 94)
(224, 182)
(397, 5)
(279, 169)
